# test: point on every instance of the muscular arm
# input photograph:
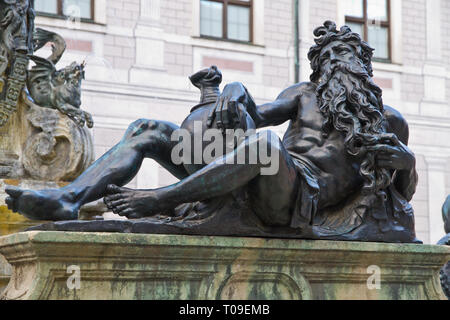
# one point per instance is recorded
(405, 181)
(284, 108)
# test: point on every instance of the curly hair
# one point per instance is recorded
(351, 102)
(327, 34)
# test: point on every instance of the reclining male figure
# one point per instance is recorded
(341, 140)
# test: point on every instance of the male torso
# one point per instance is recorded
(338, 171)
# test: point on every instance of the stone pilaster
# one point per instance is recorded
(434, 71)
(150, 13)
(149, 41)
(306, 39)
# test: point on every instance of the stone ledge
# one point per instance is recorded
(135, 266)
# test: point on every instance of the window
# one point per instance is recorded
(370, 18)
(226, 19)
(65, 8)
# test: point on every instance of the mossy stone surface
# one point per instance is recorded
(135, 266)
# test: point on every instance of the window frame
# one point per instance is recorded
(365, 22)
(60, 12)
(226, 3)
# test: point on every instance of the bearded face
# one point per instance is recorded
(349, 99)
(351, 103)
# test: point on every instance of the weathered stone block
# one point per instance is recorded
(5, 273)
(134, 266)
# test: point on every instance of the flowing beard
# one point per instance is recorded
(351, 103)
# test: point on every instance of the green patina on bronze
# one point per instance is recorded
(133, 266)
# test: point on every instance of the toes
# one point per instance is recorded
(114, 197)
(107, 202)
(129, 213)
(13, 191)
(117, 209)
(114, 201)
(117, 203)
(121, 208)
(10, 203)
(113, 209)
(112, 189)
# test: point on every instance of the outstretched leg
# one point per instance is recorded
(219, 178)
(143, 139)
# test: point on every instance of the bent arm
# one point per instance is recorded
(284, 108)
(235, 94)
(405, 181)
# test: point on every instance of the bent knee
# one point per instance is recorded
(143, 124)
(141, 133)
(140, 128)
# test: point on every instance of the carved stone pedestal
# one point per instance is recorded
(11, 222)
(47, 265)
(43, 144)
(5, 273)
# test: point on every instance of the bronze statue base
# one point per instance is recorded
(231, 217)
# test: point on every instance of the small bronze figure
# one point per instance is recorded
(57, 89)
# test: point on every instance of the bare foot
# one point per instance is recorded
(133, 204)
(42, 205)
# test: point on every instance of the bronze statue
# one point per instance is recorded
(344, 169)
(446, 215)
(445, 271)
(57, 89)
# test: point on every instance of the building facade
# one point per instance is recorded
(139, 54)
